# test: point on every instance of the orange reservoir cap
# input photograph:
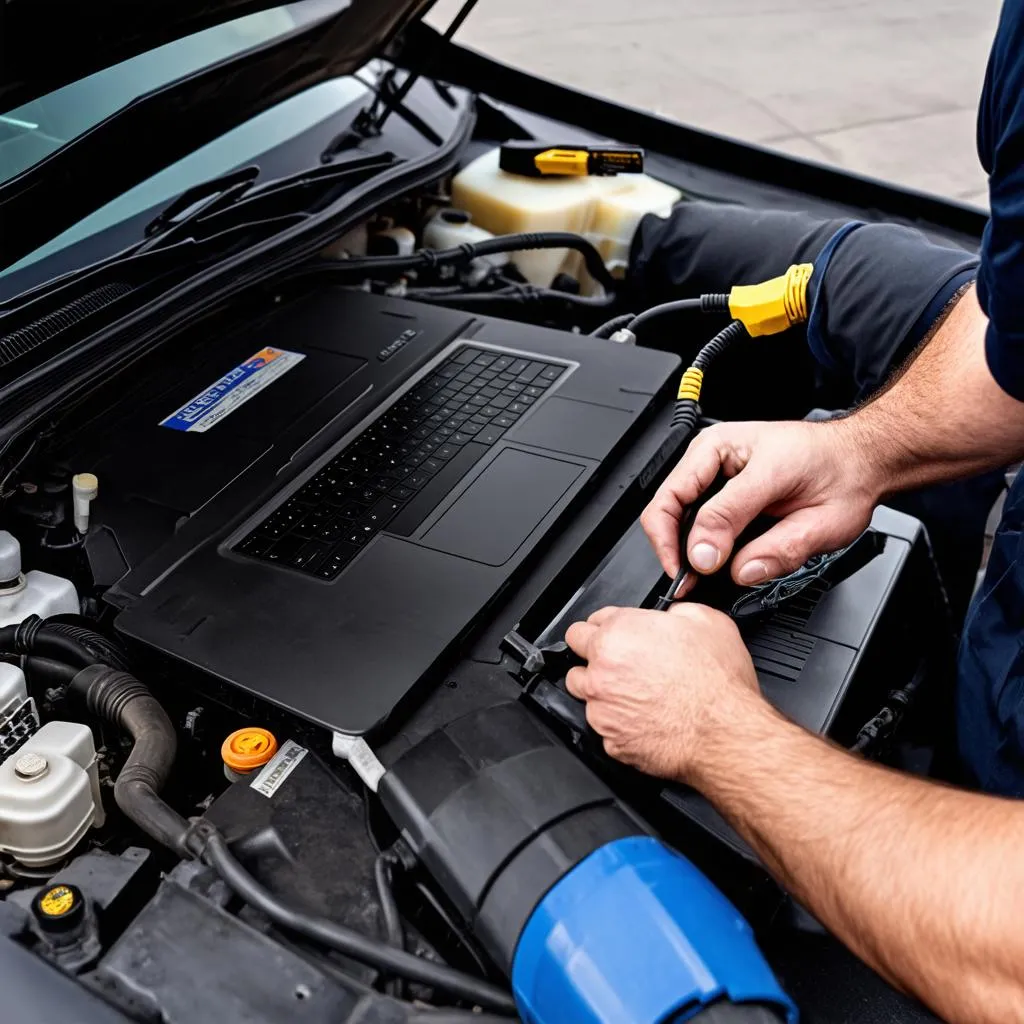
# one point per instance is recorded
(247, 749)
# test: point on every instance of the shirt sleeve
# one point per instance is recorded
(1001, 147)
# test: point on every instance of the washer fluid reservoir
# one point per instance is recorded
(605, 210)
(30, 593)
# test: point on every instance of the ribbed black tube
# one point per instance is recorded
(119, 698)
(61, 641)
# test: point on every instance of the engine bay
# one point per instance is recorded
(189, 849)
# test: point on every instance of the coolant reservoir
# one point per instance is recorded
(34, 593)
(605, 210)
(449, 228)
(49, 794)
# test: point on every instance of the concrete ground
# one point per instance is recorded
(883, 87)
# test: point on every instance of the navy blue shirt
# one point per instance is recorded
(990, 684)
(1001, 148)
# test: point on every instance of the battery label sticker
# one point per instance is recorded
(233, 390)
(278, 768)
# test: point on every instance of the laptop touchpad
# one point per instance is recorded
(502, 507)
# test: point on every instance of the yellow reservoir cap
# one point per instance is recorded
(772, 306)
(58, 901)
(247, 749)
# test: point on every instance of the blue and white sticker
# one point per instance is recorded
(233, 390)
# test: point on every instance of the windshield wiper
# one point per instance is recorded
(209, 220)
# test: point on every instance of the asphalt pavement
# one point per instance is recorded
(883, 87)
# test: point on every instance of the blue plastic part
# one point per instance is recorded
(635, 934)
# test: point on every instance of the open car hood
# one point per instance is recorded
(45, 44)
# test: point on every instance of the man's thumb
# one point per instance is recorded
(787, 546)
(722, 519)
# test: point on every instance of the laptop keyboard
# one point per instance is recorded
(404, 464)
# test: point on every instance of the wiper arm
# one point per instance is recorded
(236, 191)
(220, 193)
(184, 230)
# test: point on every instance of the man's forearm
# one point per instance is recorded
(924, 883)
(944, 417)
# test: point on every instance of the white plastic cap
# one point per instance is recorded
(10, 557)
(84, 488)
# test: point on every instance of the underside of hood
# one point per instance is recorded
(45, 44)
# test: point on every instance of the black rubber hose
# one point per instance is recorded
(468, 251)
(46, 644)
(119, 698)
(101, 647)
(350, 943)
(46, 672)
(61, 641)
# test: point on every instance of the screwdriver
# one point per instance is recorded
(685, 525)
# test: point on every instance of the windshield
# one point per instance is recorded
(32, 132)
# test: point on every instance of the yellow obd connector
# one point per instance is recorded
(772, 306)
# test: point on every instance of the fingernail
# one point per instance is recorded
(753, 572)
(704, 557)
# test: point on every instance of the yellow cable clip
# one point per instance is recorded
(690, 385)
(772, 306)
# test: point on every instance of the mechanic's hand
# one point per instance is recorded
(658, 685)
(815, 476)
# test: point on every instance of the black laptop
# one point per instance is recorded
(362, 477)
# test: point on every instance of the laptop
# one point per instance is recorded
(356, 491)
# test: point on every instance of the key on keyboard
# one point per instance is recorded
(404, 464)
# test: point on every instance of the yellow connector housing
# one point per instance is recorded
(575, 162)
(690, 385)
(772, 306)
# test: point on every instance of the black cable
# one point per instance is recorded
(451, 924)
(609, 327)
(711, 303)
(521, 294)
(469, 251)
(349, 943)
(718, 344)
(888, 720)
(687, 410)
(389, 908)
(382, 868)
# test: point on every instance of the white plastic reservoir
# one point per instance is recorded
(49, 794)
(605, 210)
(34, 593)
